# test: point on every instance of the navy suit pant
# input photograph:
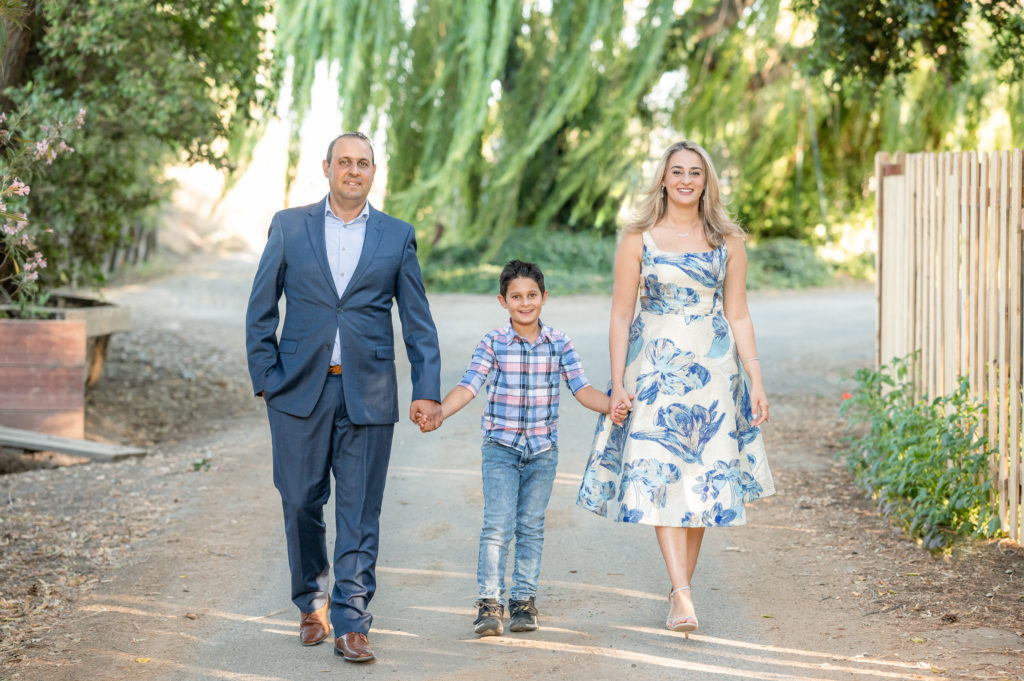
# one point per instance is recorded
(306, 452)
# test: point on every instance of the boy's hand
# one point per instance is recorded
(619, 411)
(426, 414)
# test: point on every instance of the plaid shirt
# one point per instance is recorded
(522, 397)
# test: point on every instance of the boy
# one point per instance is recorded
(520, 453)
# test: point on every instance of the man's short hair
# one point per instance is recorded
(359, 136)
(514, 269)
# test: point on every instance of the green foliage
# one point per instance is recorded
(515, 113)
(572, 263)
(785, 263)
(925, 462)
(498, 114)
(161, 83)
(864, 43)
(28, 146)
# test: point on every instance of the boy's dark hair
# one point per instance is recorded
(514, 269)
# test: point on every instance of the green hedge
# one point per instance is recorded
(578, 262)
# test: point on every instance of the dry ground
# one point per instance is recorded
(66, 530)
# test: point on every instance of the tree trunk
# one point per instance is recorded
(19, 32)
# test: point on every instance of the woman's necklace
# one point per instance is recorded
(679, 234)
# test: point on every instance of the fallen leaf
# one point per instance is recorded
(768, 616)
(191, 615)
(142, 660)
(917, 640)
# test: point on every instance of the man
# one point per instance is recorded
(329, 382)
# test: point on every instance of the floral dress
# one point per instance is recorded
(686, 456)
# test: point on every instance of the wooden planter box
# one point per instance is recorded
(42, 362)
(46, 364)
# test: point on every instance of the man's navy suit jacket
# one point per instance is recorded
(291, 372)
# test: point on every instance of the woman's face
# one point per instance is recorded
(684, 178)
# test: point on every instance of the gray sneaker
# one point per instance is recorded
(488, 617)
(523, 615)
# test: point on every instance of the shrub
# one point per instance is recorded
(785, 263)
(572, 263)
(925, 462)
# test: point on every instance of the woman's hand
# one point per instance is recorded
(759, 405)
(621, 402)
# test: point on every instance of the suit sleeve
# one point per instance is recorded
(418, 330)
(262, 316)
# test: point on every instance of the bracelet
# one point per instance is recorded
(749, 360)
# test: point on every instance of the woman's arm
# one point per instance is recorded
(624, 292)
(738, 314)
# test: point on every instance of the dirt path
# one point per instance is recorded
(193, 585)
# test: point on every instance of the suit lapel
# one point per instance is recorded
(318, 240)
(371, 240)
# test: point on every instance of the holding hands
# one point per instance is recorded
(619, 405)
(426, 414)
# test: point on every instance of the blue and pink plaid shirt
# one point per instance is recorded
(522, 397)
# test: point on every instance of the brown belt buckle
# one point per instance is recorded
(334, 369)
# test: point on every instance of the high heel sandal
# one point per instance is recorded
(686, 623)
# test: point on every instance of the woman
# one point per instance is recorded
(688, 453)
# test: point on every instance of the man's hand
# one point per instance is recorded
(426, 414)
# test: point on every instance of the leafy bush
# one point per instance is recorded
(785, 263)
(571, 262)
(925, 462)
(161, 83)
(28, 147)
(581, 262)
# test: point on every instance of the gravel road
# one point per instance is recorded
(204, 594)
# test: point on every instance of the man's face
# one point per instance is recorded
(350, 172)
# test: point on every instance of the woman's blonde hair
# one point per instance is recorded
(654, 204)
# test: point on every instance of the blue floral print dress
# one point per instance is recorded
(686, 456)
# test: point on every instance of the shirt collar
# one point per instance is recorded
(363, 216)
(510, 334)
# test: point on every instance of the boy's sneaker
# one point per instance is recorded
(488, 617)
(523, 615)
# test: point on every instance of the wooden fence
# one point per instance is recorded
(949, 285)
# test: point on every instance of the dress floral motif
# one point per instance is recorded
(686, 455)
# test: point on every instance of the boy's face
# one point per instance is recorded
(523, 300)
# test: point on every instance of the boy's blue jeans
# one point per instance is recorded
(517, 487)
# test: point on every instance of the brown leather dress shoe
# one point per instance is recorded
(354, 647)
(313, 626)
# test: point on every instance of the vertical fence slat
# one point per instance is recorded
(992, 320)
(971, 245)
(982, 318)
(1013, 500)
(1001, 201)
(919, 317)
(882, 233)
(931, 327)
(950, 288)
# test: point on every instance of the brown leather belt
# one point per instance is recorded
(334, 369)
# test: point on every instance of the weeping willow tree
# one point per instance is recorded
(498, 114)
(525, 113)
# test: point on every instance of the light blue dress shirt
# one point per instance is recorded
(344, 246)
